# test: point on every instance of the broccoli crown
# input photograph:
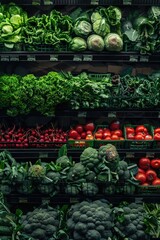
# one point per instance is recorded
(90, 189)
(90, 220)
(89, 158)
(41, 223)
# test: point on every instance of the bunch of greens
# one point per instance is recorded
(13, 19)
(141, 31)
(94, 26)
(52, 29)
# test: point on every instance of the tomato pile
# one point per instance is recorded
(113, 132)
(157, 134)
(84, 132)
(148, 171)
(139, 132)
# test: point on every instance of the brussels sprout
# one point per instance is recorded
(78, 44)
(95, 43)
(113, 42)
(101, 28)
(95, 16)
(82, 28)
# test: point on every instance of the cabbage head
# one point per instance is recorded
(16, 21)
(95, 16)
(113, 42)
(101, 27)
(78, 44)
(82, 28)
(95, 43)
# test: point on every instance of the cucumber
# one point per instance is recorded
(5, 230)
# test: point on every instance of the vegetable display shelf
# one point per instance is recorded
(125, 57)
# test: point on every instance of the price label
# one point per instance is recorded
(4, 58)
(133, 58)
(127, 2)
(144, 58)
(31, 58)
(54, 58)
(48, 2)
(130, 155)
(14, 58)
(150, 154)
(36, 2)
(23, 200)
(138, 200)
(43, 155)
(77, 58)
(112, 115)
(82, 114)
(94, 2)
(87, 58)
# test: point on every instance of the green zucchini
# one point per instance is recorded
(5, 230)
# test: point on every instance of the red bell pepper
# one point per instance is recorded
(155, 163)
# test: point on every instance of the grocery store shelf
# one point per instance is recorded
(86, 2)
(64, 199)
(120, 57)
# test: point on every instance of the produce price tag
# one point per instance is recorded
(133, 58)
(94, 2)
(150, 154)
(87, 58)
(31, 58)
(54, 58)
(144, 58)
(43, 155)
(23, 200)
(127, 2)
(74, 200)
(112, 115)
(82, 114)
(47, 2)
(14, 58)
(138, 200)
(4, 58)
(130, 155)
(77, 58)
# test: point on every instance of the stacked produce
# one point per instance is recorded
(80, 131)
(31, 137)
(139, 132)
(97, 30)
(22, 95)
(148, 172)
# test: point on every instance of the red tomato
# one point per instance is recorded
(141, 177)
(89, 126)
(156, 130)
(141, 170)
(157, 136)
(114, 137)
(129, 130)
(115, 125)
(156, 182)
(138, 137)
(73, 134)
(130, 135)
(148, 137)
(144, 163)
(106, 130)
(121, 138)
(100, 130)
(89, 137)
(78, 138)
(106, 134)
(141, 128)
(83, 135)
(79, 128)
(151, 175)
(107, 138)
(89, 132)
(98, 135)
(142, 134)
(118, 133)
(145, 184)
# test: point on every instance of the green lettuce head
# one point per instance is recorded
(101, 27)
(95, 43)
(82, 28)
(7, 29)
(16, 21)
(78, 44)
(113, 42)
(95, 16)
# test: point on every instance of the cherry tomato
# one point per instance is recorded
(79, 128)
(141, 128)
(141, 177)
(157, 136)
(144, 163)
(151, 175)
(139, 137)
(114, 137)
(115, 125)
(156, 182)
(156, 130)
(129, 130)
(148, 137)
(130, 135)
(118, 133)
(89, 126)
